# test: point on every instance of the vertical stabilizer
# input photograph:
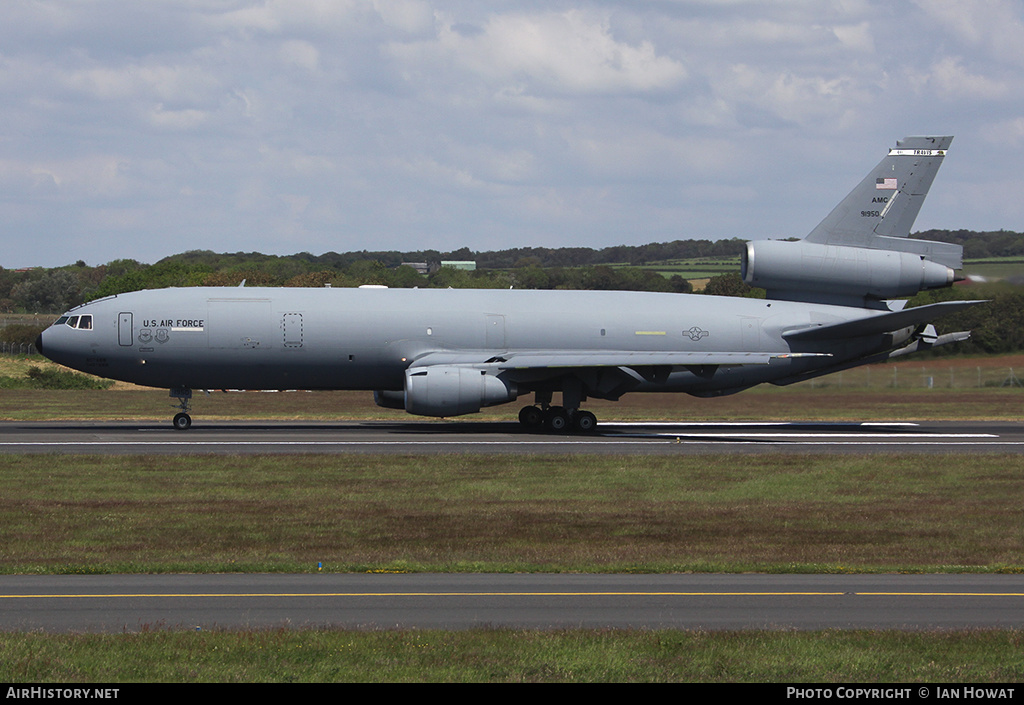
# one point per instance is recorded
(860, 254)
(879, 213)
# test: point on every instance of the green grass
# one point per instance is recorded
(798, 403)
(705, 267)
(994, 267)
(52, 378)
(87, 514)
(511, 656)
(476, 513)
(693, 268)
(921, 389)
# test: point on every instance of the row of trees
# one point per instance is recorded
(56, 290)
(997, 326)
(987, 245)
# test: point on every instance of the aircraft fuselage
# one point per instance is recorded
(366, 338)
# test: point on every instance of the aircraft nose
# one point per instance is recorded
(39, 344)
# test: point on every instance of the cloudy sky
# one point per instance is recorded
(143, 129)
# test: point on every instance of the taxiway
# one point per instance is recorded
(126, 603)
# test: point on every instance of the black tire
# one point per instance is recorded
(182, 422)
(585, 422)
(558, 419)
(531, 416)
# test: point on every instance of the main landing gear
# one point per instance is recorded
(560, 419)
(557, 418)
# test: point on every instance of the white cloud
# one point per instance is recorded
(571, 52)
(856, 36)
(273, 16)
(358, 124)
(301, 54)
(645, 155)
(90, 176)
(993, 27)
(789, 96)
(951, 80)
(410, 16)
(1006, 131)
(176, 119)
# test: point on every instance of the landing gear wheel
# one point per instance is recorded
(558, 418)
(531, 417)
(182, 422)
(585, 422)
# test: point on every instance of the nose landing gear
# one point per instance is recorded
(182, 421)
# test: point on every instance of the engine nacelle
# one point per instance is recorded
(453, 390)
(782, 267)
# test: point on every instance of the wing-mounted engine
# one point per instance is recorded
(804, 270)
(453, 390)
(860, 254)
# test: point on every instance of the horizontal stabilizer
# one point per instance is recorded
(879, 323)
(916, 346)
(605, 358)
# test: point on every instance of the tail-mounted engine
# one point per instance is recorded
(799, 270)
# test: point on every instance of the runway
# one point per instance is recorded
(130, 603)
(508, 437)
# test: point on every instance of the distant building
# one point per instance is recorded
(468, 265)
(420, 267)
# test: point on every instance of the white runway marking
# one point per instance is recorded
(611, 435)
(705, 439)
(830, 435)
(689, 424)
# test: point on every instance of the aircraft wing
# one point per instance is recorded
(536, 359)
(878, 323)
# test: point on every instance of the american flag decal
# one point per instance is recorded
(885, 184)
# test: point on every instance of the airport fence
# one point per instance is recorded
(17, 349)
(35, 320)
(931, 376)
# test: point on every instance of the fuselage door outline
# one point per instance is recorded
(124, 329)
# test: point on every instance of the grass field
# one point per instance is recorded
(995, 267)
(75, 514)
(508, 656)
(701, 268)
(482, 513)
(696, 268)
(987, 388)
(88, 514)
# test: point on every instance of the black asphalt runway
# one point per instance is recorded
(507, 437)
(131, 603)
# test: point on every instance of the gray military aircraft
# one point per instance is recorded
(832, 304)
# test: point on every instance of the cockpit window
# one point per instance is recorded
(80, 322)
